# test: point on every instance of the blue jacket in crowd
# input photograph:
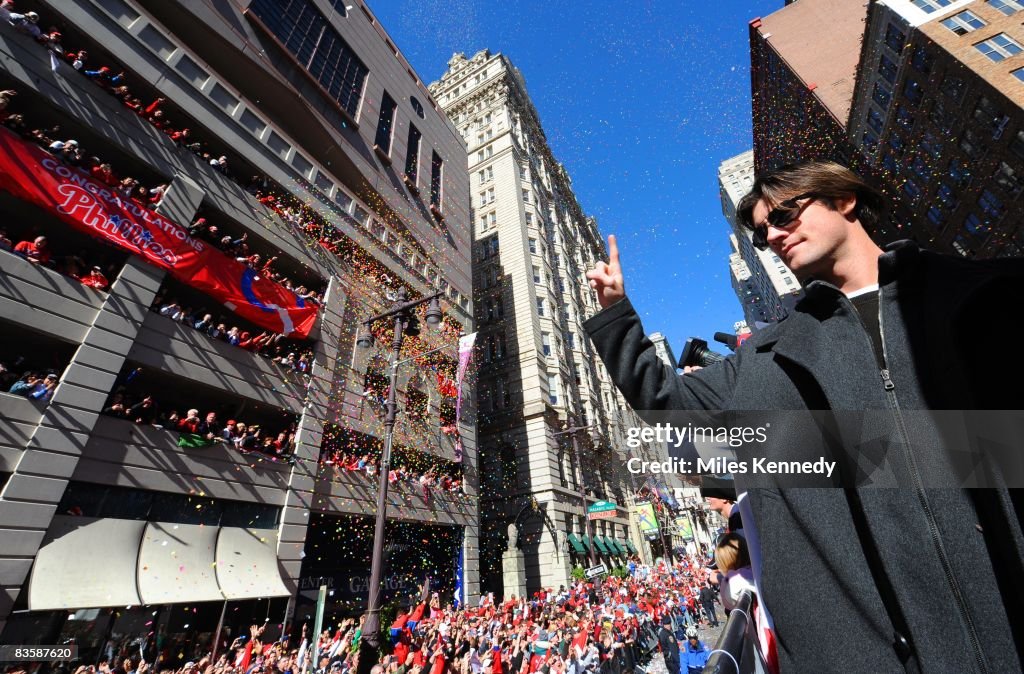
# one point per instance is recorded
(693, 658)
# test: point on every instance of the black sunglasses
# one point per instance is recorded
(780, 217)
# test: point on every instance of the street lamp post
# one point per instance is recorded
(405, 323)
(571, 432)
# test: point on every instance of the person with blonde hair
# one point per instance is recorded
(733, 562)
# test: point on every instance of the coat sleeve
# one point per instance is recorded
(647, 383)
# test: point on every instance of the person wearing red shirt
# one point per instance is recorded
(95, 279)
(36, 251)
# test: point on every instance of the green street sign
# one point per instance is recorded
(601, 506)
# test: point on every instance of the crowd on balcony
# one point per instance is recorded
(207, 429)
(113, 79)
(346, 450)
(290, 354)
(32, 384)
(79, 266)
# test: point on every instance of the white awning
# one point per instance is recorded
(177, 564)
(86, 562)
(247, 564)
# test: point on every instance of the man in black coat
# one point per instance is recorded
(707, 600)
(921, 573)
(669, 645)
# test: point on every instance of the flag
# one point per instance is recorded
(458, 578)
(34, 175)
(466, 343)
(194, 440)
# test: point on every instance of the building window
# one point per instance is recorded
(896, 143)
(1009, 179)
(870, 142)
(306, 34)
(953, 87)
(526, 196)
(929, 6)
(963, 23)
(533, 246)
(536, 274)
(911, 189)
(895, 38)
(913, 91)
(881, 95)
(875, 120)
(887, 69)
(988, 116)
(1007, 7)
(540, 306)
(570, 339)
(999, 47)
(412, 155)
(921, 61)
(991, 204)
(1017, 145)
(960, 172)
(931, 145)
(970, 143)
(936, 216)
(545, 343)
(436, 169)
(1019, 74)
(975, 225)
(385, 123)
(553, 389)
(904, 117)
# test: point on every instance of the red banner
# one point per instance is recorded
(34, 175)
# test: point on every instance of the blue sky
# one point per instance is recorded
(641, 100)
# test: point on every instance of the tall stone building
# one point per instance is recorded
(764, 285)
(939, 111)
(803, 66)
(325, 152)
(538, 373)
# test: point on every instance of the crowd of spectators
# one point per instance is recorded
(290, 354)
(614, 628)
(78, 266)
(199, 429)
(31, 384)
(440, 476)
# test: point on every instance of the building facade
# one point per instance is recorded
(538, 373)
(938, 112)
(803, 67)
(764, 285)
(299, 131)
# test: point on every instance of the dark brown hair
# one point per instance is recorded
(824, 179)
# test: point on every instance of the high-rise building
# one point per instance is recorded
(300, 174)
(938, 111)
(533, 244)
(803, 66)
(764, 285)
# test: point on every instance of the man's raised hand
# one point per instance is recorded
(606, 277)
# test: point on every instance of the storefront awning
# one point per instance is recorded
(177, 561)
(575, 543)
(629, 544)
(612, 546)
(247, 564)
(86, 562)
(600, 545)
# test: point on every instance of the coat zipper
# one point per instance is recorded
(933, 529)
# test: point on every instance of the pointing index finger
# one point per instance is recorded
(613, 252)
